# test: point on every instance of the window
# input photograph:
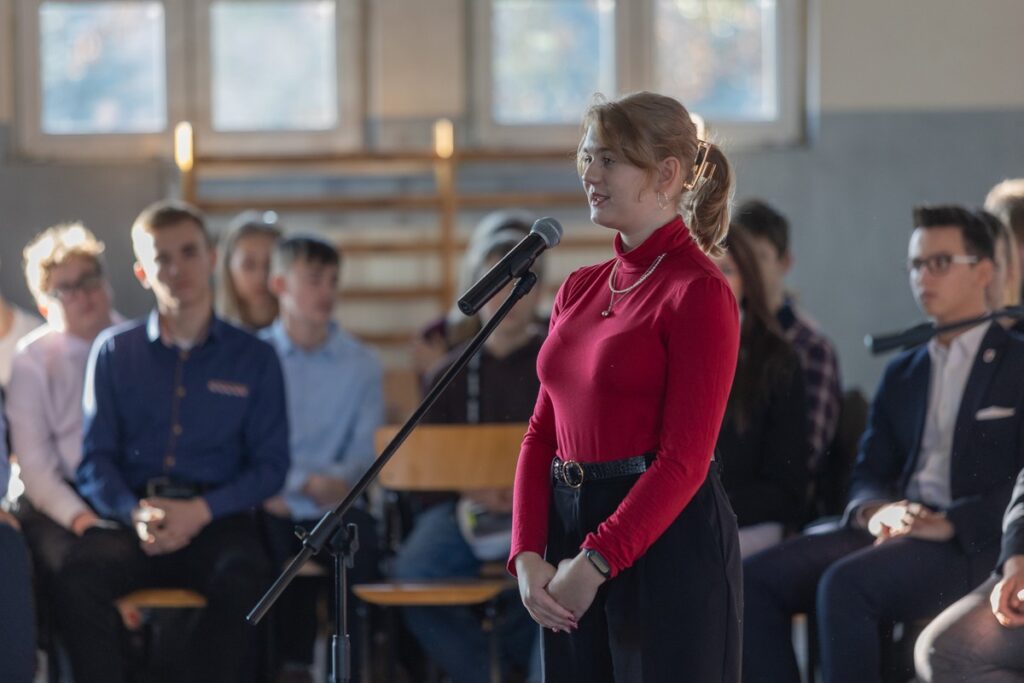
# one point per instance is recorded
(532, 35)
(112, 77)
(734, 62)
(102, 68)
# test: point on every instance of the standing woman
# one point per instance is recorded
(242, 295)
(623, 539)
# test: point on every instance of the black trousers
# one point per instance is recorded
(226, 562)
(17, 627)
(674, 615)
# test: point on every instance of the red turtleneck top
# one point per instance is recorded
(653, 376)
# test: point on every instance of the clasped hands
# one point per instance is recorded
(557, 598)
(165, 525)
(907, 519)
(1007, 597)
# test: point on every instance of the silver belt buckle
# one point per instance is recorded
(574, 480)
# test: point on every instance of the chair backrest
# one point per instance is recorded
(459, 457)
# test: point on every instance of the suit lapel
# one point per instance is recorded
(919, 385)
(986, 362)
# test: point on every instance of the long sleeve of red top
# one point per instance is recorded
(654, 376)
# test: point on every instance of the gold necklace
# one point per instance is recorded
(623, 292)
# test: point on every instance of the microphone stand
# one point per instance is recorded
(342, 542)
(919, 334)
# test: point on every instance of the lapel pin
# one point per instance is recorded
(989, 355)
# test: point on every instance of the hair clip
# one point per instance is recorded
(701, 167)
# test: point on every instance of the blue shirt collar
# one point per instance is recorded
(332, 346)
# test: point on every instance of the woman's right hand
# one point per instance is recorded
(534, 575)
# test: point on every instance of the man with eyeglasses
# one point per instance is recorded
(64, 271)
(936, 466)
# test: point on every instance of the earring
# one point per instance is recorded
(662, 200)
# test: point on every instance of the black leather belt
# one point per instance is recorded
(573, 473)
(165, 487)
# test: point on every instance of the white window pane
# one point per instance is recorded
(718, 57)
(273, 65)
(103, 67)
(549, 57)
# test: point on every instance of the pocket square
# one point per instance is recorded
(994, 413)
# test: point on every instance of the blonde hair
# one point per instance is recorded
(227, 303)
(1011, 289)
(1006, 201)
(646, 128)
(55, 246)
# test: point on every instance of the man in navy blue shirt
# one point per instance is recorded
(185, 433)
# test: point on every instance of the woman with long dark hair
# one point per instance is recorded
(763, 442)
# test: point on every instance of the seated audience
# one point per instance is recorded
(945, 439)
(185, 433)
(17, 622)
(454, 538)
(1006, 201)
(15, 323)
(242, 296)
(335, 404)
(769, 232)
(979, 638)
(65, 272)
(763, 441)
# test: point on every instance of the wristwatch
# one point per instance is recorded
(600, 564)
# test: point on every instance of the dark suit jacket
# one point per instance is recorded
(988, 439)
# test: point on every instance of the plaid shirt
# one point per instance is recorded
(821, 378)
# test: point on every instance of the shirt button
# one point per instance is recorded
(181, 392)
(177, 430)
(183, 355)
(169, 461)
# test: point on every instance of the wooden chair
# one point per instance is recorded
(449, 458)
(151, 634)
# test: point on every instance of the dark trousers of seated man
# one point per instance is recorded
(49, 544)
(295, 614)
(855, 587)
(226, 562)
(17, 626)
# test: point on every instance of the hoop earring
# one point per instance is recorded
(662, 200)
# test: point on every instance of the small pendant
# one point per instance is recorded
(606, 313)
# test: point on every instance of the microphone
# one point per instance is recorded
(921, 333)
(884, 343)
(545, 234)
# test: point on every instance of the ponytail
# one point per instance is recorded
(708, 202)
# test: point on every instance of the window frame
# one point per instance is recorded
(635, 64)
(347, 134)
(188, 99)
(33, 141)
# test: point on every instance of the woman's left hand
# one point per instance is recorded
(575, 584)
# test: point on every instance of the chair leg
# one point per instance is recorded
(363, 610)
(490, 625)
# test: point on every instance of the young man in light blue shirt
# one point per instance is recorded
(335, 403)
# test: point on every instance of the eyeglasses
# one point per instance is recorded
(85, 284)
(939, 264)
